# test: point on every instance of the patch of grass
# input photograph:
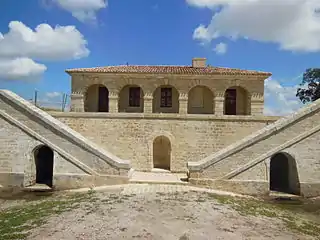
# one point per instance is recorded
(259, 208)
(16, 222)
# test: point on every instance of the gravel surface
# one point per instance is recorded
(160, 213)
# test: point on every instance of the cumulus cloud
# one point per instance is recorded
(83, 10)
(280, 100)
(221, 48)
(22, 46)
(44, 43)
(20, 68)
(294, 25)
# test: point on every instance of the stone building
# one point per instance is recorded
(164, 107)
(205, 121)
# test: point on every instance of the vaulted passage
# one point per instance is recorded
(44, 165)
(284, 174)
(161, 153)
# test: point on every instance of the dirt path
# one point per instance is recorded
(163, 214)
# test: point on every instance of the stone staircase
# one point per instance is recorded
(74, 147)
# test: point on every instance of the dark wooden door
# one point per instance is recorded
(103, 104)
(231, 102)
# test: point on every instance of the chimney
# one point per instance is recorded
(199, 62)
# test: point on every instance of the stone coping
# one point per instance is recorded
(164, 116)
(255, 137)
(65, 130)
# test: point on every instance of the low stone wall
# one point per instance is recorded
(192, 137)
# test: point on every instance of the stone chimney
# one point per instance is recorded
(199, 62)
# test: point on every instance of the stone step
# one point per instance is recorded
(162, 177)
(38, 188)
(283, 196)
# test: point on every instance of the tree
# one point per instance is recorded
(311, 81)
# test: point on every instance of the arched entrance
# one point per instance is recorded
(161, 153)
(97, 99)
(44, 165)
(284, 174)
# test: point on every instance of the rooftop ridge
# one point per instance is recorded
(171, 69)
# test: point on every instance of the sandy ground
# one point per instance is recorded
(159, 215)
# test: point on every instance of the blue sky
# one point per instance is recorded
(228, 33)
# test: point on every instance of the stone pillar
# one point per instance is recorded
(183, 103)
(113, 102)
(219, 103)
(256, 104)
(77, 102)
(147, 102)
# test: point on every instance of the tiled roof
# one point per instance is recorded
(188, 70)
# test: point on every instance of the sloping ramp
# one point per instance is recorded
(243, 160)
(72, 146)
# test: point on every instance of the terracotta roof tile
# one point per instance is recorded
(167, 70)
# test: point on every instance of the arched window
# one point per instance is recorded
(166, 100)
(131, 99)
(236, 101)
(97, 99)
(200, 100)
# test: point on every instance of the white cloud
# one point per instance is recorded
(221, 48)
(22, 46)
(280, 100)
(83, 10)
(20, 68)
(45, 43)
(294, 25)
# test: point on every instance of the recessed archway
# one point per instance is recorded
(162, 153)
(131, 99)
(284, 174)
(165, 100)
(97, 99)
(200, 100)
(43, 157)
(236, 101)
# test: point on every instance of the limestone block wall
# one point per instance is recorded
(192, 137)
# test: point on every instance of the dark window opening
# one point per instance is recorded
(231, 102)
(166, 97)
(134, 97)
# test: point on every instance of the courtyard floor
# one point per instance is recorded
(142, 211)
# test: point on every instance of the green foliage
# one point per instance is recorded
(311, 79)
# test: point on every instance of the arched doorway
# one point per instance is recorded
(161, 153)
(236, 101)
(283, 174)
(200, 100)
(97, 99)
(44, 165)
